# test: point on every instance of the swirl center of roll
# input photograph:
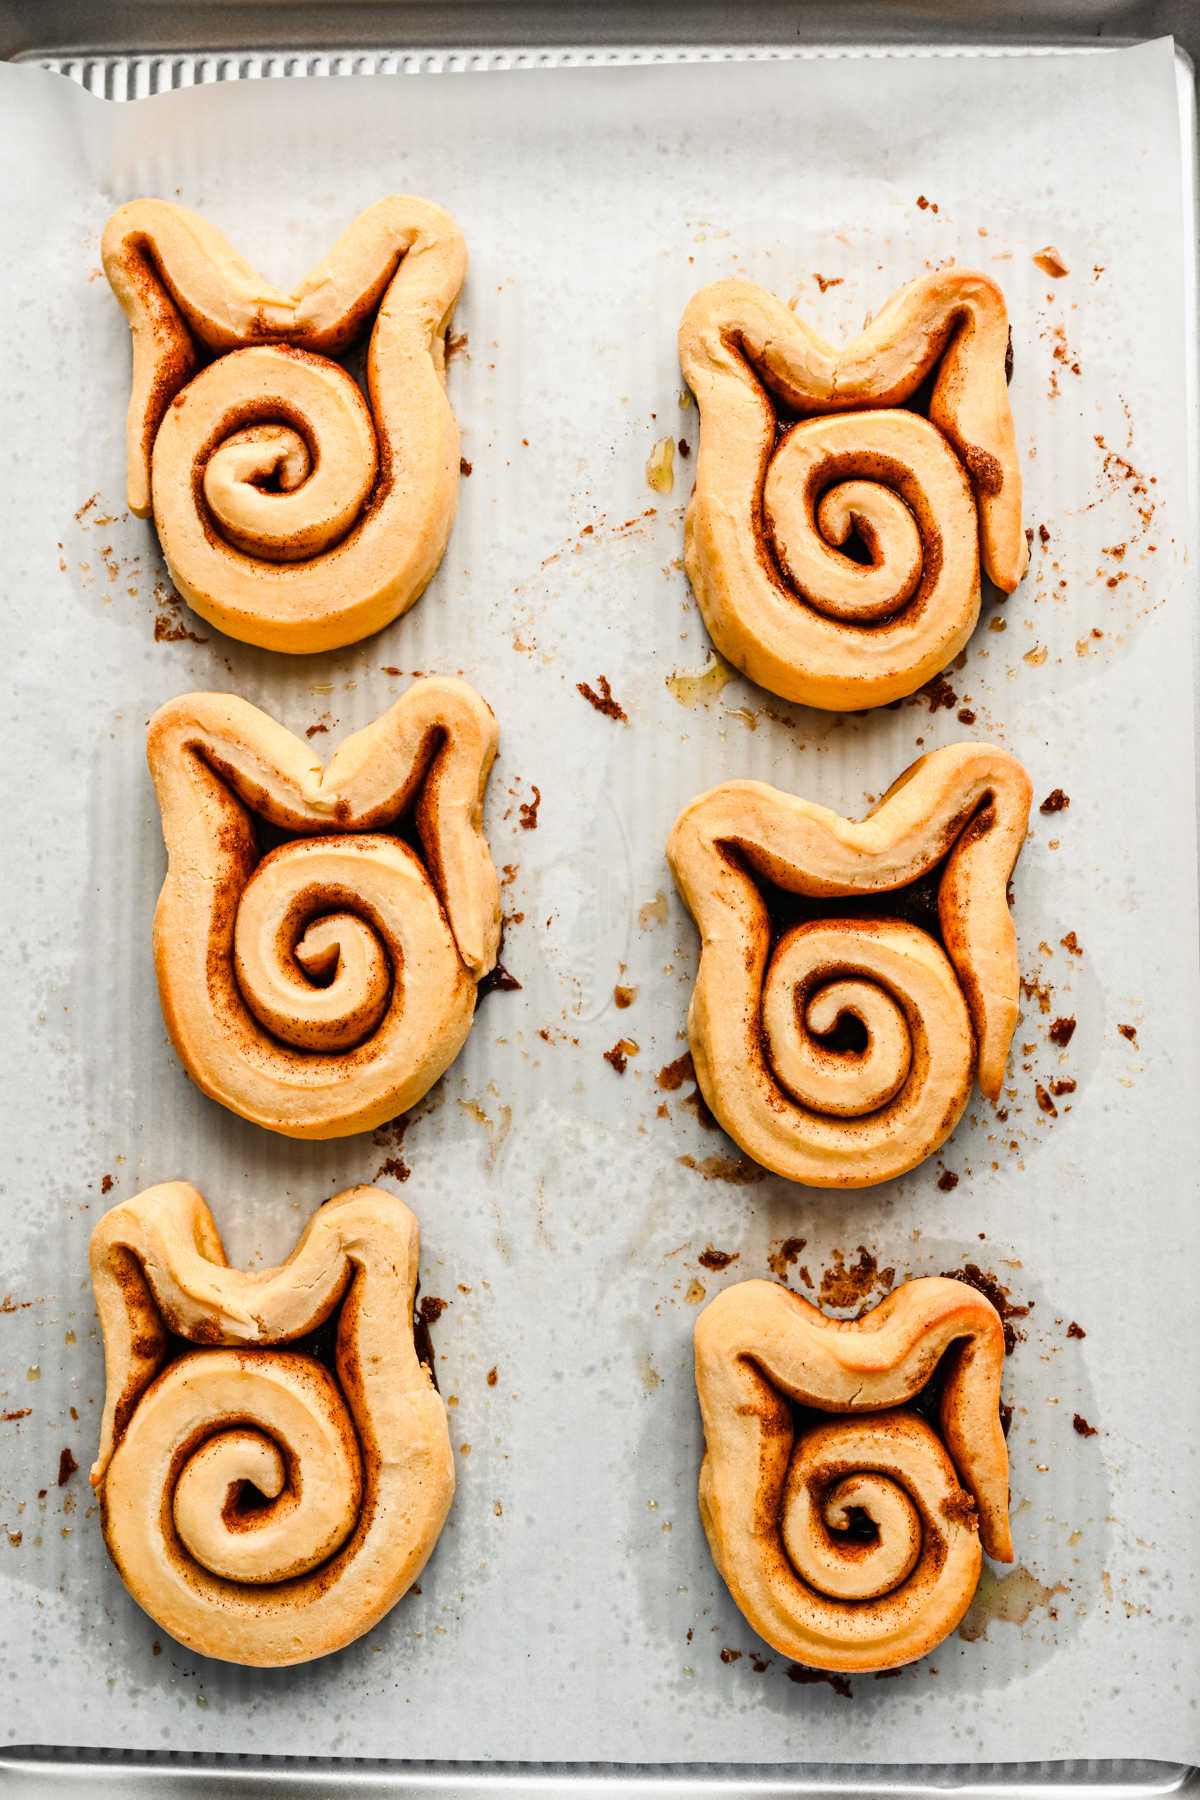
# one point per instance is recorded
(887, 1471)
(282, 450)
(819, 976)
(887, 480)
(265, 1477)
(315, 960)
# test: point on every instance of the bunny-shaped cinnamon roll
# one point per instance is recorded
(323, 987)
(772, 998)
(781, 1493)
(290, 514)
(806, 451)
(261, 1507)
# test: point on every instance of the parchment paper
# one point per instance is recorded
(571, 1609)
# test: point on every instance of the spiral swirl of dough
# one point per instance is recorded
(803, 1091)
(324, 987)
(328, 930)
(258, 1508)
(904, 994)
(837, 563)
(290, 513)
(894, 480)
(852, 1544)
(284, 487)
(218, 1423)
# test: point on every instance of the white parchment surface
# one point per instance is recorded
(571, 1609)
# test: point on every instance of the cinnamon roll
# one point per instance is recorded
(323, 987)
(834, 535)
(839, 1049)
(855, 1543)
(261, 1506)
(291, 514)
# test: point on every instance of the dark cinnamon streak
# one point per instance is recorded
(603, 700)
(498, 980)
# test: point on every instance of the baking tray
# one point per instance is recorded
(185, 45)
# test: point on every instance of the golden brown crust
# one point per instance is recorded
(323, 988)
(776, 1507)
(355, 1475)
(290, 515)
(926, 497)
(935, 1019)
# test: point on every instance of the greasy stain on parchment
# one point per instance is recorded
(1005, 1600)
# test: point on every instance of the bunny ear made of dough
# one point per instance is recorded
(361, 501)
(935, 1019)
(322, 988)
(776, 1503)
(768, 515)
(356, 1473)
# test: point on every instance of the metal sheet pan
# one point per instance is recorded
(105, 68)
(37, 1777)
(53, 27)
